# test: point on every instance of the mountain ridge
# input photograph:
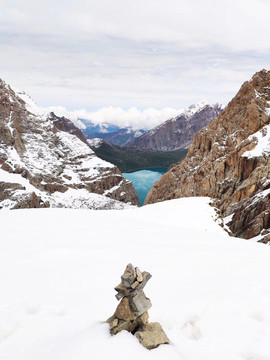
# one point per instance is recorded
(178, 132)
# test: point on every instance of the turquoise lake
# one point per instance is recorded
(144, 179)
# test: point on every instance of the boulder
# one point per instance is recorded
(151, 335)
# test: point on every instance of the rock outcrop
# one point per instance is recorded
(132, 312)
(46, 161)
(64, 124)
(177, 133)
(229, 161)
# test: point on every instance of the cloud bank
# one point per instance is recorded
(133, 117)
(122, 53)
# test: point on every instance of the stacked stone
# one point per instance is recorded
(132, 312)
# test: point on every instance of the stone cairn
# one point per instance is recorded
(132, 312)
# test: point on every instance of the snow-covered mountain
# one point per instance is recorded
(177, 133)
(58, 268)
(229, 161)
(46, 161)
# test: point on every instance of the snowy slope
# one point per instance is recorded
(58, 267)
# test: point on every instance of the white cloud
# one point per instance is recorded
(134, 118)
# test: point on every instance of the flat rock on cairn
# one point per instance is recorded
(132, 312)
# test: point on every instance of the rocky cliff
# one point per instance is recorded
(229, 161)
(177, 133)
(46, 161)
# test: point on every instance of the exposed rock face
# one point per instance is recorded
(46, 161)
(132, 312)
(229, 161)
(177, 133)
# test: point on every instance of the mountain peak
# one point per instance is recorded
(198, 106)
(262, 74)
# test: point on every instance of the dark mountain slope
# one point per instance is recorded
(177, 133)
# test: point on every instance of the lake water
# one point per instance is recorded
(144, 179)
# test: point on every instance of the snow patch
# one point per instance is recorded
(262, 139)
(96, 142)
(30, 105)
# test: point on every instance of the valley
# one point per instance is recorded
(131, 158)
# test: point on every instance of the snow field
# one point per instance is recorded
(58, 268)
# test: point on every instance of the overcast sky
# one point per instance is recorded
(132, 53)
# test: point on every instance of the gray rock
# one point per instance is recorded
(146, 276)
(129, 276)
(140, 303)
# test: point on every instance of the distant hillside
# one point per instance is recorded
(177, 133)
(128, 159)
(111, 133)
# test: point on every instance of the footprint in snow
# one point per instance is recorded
(190, 328)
